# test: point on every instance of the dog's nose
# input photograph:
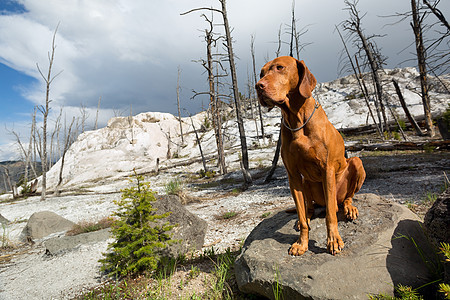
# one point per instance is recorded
(260, 85)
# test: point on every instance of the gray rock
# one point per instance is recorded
(44, 223)
(60, 245)
(190, 230)
(437, 218)
(374, 260)
(437, 223)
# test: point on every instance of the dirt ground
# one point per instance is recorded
(405, 177)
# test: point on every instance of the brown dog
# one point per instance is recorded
(312, 150)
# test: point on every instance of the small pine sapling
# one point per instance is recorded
(139, 237)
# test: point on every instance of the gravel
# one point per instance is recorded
(32, 274)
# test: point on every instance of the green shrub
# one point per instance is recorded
(173, 187)
(139, 239)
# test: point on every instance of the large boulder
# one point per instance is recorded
(190, 229)
(378, 255)
(437, 218)
(44, 223)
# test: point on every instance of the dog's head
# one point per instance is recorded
(282, 79)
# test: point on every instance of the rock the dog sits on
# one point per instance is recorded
(312, 150)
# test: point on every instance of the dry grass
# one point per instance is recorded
(85, 227)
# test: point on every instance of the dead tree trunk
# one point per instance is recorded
(252, 46)
(66, 147)
(199, 145)
(229, 45)
(96, 116)
(410, 118)
(421, 62)
(45, 109)
(275, 158)
(438, 14)
(178, 105)
(358, 78)
(353, 25)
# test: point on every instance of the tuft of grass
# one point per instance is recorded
(174, 187)
(85, 227)
(277, 288)
(265, 215)
(229, 214)
(431, 197)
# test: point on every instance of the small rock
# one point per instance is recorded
(60, 245)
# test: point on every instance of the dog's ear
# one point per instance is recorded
(307, 81)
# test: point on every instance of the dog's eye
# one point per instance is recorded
(279, 68)
(261, 75)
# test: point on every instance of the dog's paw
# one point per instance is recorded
(298, 249)
(351, 212)
(335, 244)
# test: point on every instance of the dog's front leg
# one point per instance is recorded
(301, 245)
(334, 240)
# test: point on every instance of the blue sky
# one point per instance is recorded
(128, 52)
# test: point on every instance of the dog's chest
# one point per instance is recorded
(305, 156)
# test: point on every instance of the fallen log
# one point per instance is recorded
(432, 145)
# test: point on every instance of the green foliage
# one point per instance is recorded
(223, 274)
(208, 174)
(229, 214)
(277, 288)
(445, 290)
(173, 187)
(265, 215)
(396, 136)
(206, 123)
(429, 148)
(431, 197)
(139, 236)
(402, 124)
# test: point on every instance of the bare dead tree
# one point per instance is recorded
(211, 65)
(252, 47)
(8, 180)
(56, 129)
(417, 27)
(410, 118)
(368, 51)
(84, 116)
(199, 144)
(66, 148)
(45, 109)
(26, 155)
(362, 87)
(96, 116)
(178, 105)
(277, 53)
(229, 47)
(437, 13)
